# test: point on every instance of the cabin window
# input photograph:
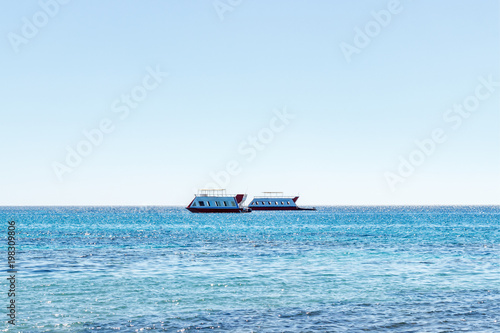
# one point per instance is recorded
(256, 203)
(208, 203)
(194, 204)
(276, 202)
(202, 204)
(282, 203)
(288, 202)
(225, 203)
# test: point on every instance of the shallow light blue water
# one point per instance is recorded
(356, 269)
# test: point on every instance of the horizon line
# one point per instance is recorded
(342, 205)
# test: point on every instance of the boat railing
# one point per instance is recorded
(275, 197)
(273, 194)
(214, 193)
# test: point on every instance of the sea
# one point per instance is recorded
(337, 269)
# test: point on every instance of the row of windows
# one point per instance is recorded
(214, 204)
(269, 203)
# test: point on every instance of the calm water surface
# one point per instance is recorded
(340, 269)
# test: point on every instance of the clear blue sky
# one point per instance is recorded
(353, 120)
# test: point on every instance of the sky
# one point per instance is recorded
(340, 102)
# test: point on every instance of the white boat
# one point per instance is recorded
(217, 201)
(276, 201)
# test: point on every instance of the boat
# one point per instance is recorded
(276, 201)
(217, 201)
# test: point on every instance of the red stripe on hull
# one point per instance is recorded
(274, 208)
(283, 208)
(215, 210)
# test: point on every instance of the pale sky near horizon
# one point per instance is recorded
(414, 69)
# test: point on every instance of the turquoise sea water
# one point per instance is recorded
(339, 269)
